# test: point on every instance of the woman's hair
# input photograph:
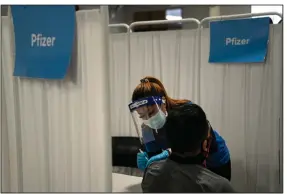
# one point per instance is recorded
(150, 86)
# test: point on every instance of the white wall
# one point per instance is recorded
(219, 10)
(126, 13)
(188, 11)
(199, 12)
(234, 9)
(229, 9)
(129, 10)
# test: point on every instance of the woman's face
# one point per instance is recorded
(146, 112)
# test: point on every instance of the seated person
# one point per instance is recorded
(187, 133)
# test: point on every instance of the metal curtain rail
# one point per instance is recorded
(156, 22)
(200, 25)
(238, 16)
(198, 63)
(121, 25)
(226, 17)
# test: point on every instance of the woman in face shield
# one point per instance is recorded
(149, 108)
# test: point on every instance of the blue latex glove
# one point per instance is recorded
(142, 159)
(161, 156)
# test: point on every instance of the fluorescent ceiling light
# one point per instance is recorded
(172, 17)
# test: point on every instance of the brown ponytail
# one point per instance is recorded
(150, 86)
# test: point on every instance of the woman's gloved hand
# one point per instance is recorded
(142, 159)
(161, 156)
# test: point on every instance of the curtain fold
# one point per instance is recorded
(170, 56)
(54, 130)
(243, 102)
(119, 85)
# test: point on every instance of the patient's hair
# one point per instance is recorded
(186, 128)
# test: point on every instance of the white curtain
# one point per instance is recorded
(1, 99)
(54, 132)
(242, 101)
(170, 56)
(119, 86)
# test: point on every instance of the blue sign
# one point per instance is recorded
(44, 37)
(239, 41)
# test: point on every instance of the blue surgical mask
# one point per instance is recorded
(157, 121)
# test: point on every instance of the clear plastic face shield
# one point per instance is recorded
(148, 115)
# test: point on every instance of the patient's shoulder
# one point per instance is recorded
(154, 170)
(225, 186)
(214, 182)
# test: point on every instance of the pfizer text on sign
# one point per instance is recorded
(44, 37)
(239, 41)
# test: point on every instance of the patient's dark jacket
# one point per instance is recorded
(176, 175)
